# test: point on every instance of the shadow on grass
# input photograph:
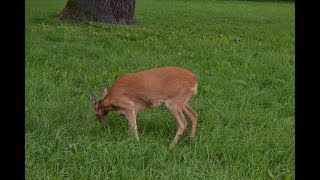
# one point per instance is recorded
(155, 131)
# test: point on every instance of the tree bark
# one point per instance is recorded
(107, 11)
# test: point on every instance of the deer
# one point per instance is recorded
(134, 92)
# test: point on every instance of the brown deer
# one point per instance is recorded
(132, 93)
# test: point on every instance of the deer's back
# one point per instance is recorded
(153, 87)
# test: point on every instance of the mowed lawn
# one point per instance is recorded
(243, 53)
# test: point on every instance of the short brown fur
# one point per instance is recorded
(133, 93)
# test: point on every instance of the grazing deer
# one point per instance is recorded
(132, 93)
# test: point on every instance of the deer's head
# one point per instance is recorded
(99, 107)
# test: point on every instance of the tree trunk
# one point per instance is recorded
(107, 11)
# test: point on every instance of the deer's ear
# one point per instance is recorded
(104, 93)
(93, 100)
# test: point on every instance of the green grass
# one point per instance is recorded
(242, 52)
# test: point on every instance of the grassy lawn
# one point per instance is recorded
(242, 52)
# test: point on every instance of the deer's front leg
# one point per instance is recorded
(126, 107)
(132, 124)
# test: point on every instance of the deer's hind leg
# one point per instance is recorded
(193, 116)
(176, 111)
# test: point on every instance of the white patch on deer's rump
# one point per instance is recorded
(194, 89)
